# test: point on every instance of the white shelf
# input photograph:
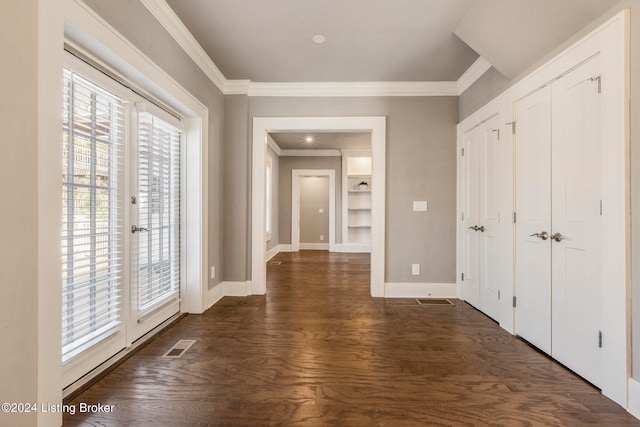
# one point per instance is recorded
(357, 203)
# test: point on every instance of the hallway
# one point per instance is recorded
(318, 350)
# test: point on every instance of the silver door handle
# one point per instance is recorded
(542, 235)
(135, 228)
(557, 237)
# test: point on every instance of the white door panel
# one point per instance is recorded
(576, 172)
(471, 283)
(533, 207)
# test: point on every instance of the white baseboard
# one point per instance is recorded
(634, 398)
(420, 290)
(314, 246)
(356, 248)
(284, 248)
(236, 289)
(214, 295)
(272, 252)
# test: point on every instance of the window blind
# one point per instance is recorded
(93, 138)
(158, 212)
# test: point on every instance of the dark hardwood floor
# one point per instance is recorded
(317, 350)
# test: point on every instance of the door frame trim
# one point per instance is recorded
(261, 127)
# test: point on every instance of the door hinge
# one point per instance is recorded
(599, 339)
(513, 127)
(463, 277)
(496, 130)
(462, 152)
(498, 294)
(514, 217)
(600, 207)
(514, 302)
(462, 214)
(599, 80)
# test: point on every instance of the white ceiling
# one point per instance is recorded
(322, 140)
(379, 40)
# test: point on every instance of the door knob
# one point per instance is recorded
(557, 237)
(474, 228)
(542, 235)
(135, 228)
(481, 228)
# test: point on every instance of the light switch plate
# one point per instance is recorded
(415, 269)
(420, 206)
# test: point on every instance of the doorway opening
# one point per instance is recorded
(313, 209)
(262, 126)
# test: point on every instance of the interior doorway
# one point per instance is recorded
(313, 209)
(264, 125)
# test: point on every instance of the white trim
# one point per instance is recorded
(634, 398)
(314, 246)
(338, 89)
(264, 125)
(296, 174)
(272, 252)
(353, 248)
(420, 290)
(176, 28)
(236, 289)
(473, 73)
(180, 33)
(214, 295)
(274, 145)
(310, 153)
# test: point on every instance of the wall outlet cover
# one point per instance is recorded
(420, 206)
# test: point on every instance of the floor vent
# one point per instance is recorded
(434, 301)
(179, 348)
(276, 262)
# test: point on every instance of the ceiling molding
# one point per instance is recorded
(181, 34)
(354, 89)
(274, 145)
(310, 153)
(473, 73)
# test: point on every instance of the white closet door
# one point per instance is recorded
(471, 283)
(576, 214)
(533, 207)
(489, 218)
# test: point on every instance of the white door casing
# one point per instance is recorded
(471, 171)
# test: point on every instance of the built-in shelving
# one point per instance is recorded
(357, 195)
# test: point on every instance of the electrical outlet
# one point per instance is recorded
(415, 269)
(213, 271)
(321, 210)
(420, 206)
(321, 238)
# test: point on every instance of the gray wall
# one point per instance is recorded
(287, 164)
(133, 20)
(421, 165)
(314, 197)
(493, 84)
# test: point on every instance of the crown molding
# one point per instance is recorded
(354, 89)
(176, 28)
(473, 73)
(310, 153)
(274, 145)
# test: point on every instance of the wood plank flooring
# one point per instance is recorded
(317, 350)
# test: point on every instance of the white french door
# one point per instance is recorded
(120, 246)
(558, 230)
(481, 254)
(155, 218)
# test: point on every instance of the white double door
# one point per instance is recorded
(558, 228)
(481, 210)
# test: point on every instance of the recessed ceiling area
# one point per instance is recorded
(379, 40)
(322, 140)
